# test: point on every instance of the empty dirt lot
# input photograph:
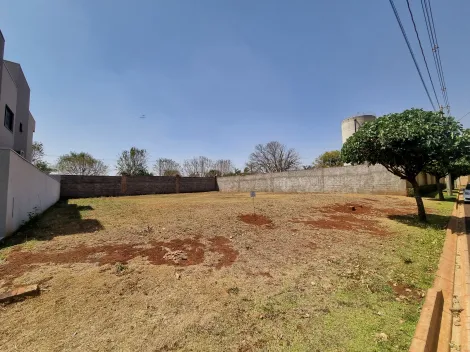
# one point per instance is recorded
(200, 272)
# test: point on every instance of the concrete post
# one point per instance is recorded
(123, 185)
(177, 183)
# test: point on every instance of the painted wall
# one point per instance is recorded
(8, 97)
(22, 116)
(347, 179)
(28, 190)
(2, 48)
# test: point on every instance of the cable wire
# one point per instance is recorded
(411, 51)
(429, 19)
(422, 51)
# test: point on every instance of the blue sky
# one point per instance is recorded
(217, 77)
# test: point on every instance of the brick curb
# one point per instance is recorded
(434, 329)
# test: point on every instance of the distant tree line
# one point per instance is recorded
(404, 143)
(270, 157)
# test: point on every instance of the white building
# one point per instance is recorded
(18, 125)
(24, 190)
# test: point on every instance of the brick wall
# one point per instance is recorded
(347, 179)
(112, 186)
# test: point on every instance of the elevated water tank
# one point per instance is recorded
(350, 125)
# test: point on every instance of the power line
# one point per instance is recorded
(422, 51)
(411, 51)
(468, 113)
(429, 19)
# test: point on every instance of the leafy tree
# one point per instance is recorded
(404, 143)
(451, 150)
(213, 173)
(80, 164)
(133, 162)
(37, 158)
(37, 152)
(236, 172)
(329, 159)
(460, 167)
(273, 157)
(163, 165)
(44, 166)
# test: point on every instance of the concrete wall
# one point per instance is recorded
(22, 116)
(2, 48)
(23, 190)
(347, 179)
(113, 186)
(8, 97)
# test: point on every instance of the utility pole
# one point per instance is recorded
(449, 176)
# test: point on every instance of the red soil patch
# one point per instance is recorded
(365, 209)
(255, 219)
(405, 291)
(223, 246)
(188, 251)
(344, 223)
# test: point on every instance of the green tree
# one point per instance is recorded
(83, 164)
(214, 173)
(404, 143)
(329, 159)
(133, 162)
(44, 166)
(452, 149)
(37, 158)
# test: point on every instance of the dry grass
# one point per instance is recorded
(186, 273)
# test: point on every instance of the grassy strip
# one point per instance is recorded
(372, 316)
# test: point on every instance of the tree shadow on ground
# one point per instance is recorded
(434, 221)
(62, 219)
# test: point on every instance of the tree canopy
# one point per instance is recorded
(329, 159)
(273, 157)
(83, 164)
(133, 162)
(166, 167)
(404, 143)
(37, 158)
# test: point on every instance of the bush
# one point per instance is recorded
(424, 189)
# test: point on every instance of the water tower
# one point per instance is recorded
(350, 125)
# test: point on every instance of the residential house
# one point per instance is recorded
(24, 190)
(16, 131)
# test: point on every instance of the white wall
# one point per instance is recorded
(28, 190)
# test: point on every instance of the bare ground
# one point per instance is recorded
(200, 272)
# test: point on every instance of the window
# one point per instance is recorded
(21, 127)
(9, 117)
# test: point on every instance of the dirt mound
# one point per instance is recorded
(255, 219)
(178, 252)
